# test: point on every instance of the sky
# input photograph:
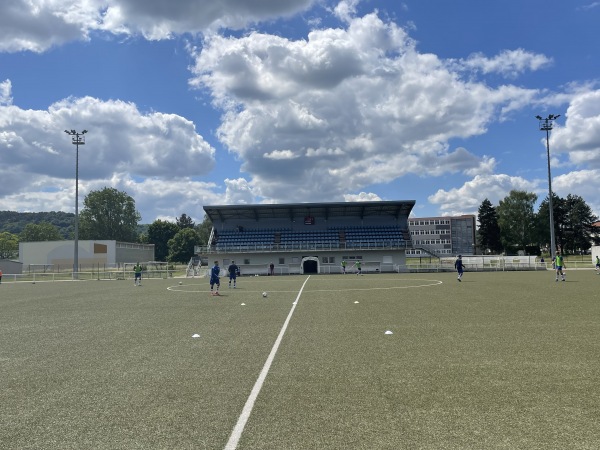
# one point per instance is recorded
(220, 102)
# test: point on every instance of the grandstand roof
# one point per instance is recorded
(223, 213)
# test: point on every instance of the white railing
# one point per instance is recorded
(323, 246)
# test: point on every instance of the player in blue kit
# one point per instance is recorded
(460, 267)
(233, 270)
(214, 279)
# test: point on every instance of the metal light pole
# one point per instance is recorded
(77, 139)
(546, 125)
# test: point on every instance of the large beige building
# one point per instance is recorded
(442, 236)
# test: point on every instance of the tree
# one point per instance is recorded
(109, 214)
(185, 221)
(181, 246)
(9, 245)
(578, 227)
(159, 233)
(204, 230)
(489, 230)
(517, 219)
(43, 231)
(543, 222)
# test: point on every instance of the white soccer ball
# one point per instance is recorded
(264, 294)
(180, 283)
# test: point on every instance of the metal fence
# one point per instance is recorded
(39, 277)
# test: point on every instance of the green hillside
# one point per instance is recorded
(14, 222)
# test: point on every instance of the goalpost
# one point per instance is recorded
(150, 269)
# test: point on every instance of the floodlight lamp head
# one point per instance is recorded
(84, 131)
(73, 132)
(538, 117)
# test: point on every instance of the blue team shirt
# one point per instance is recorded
(214, 274)
(459, 265)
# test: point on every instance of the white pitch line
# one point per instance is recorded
(236, 434)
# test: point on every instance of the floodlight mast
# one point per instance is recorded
(546, 125)
(77, 139)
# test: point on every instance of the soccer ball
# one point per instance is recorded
(264, 294)
(180, 283)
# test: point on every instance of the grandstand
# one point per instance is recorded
(310, 237)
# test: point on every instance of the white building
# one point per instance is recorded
(59, 255)
(309, 237)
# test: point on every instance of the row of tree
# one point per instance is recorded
(514, 225)
(510, 226)
(175, 242)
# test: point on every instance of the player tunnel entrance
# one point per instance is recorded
(310, 264)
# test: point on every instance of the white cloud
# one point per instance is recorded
(362, 197)
(486, 167)
(324, 117)
(589, 6)
(364, 91)
(509, 63)
(579, 137)
(280, 154)
(120, 137)
(467, 198)
(154, 198)
(583, 183)
(37, 160)
(6, 93)
(239, 191)
(346, 9)
(37, 25)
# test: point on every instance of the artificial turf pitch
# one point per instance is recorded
(503, 360)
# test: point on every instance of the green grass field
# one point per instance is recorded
(503, 360)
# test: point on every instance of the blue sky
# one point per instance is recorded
(196, 102)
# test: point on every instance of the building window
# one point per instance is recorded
(348, 258)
